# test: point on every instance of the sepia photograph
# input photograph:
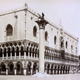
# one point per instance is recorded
(39, 39)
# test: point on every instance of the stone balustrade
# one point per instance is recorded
(53, 55)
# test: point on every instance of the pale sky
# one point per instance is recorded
(66, 10)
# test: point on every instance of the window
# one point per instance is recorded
(46, 36)
(71, 48)
(11, 68)
(66, 44)
(34, 31)
(76, 50)
(3, 67)
(9, 30)
(18, 67)
(61, 44)
(55, 40)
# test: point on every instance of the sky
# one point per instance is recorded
(66, 10)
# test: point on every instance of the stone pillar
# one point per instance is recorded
(31, 54)
(70, 72)
(28, 53)
(24, 55)
(0, 70)
(6, 71)
(15, 71)
(19, 54)
(11, 55)
(24, 71)
(41, 50)
(50, 69)
(34, 55)
(62, 71)
(3, 56)
(6, 55)
(25, 66)
(45, 68)
(32, 68)
(15, 55)
(42, 23)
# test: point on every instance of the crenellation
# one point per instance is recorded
(70, 35)
(5, 12)
(52, 24)
(15, 9)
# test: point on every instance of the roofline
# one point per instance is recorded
(37, 15)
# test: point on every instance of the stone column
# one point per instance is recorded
(70, 72)
(11, 55)
(19, 54)
(24, 55)
(24, 71)
(45, 68)
(34, 55)
(50, 69)
(41, 50)
(6, 71)
(32, 68)
(15, 55)
(28, 51)
(25, 66)
(0, 70)
(15, 71)
(7, 55)
(15, 52)
(3, 56)
(42, 23)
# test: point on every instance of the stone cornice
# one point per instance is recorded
(23, 8)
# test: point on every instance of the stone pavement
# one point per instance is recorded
(52, 77)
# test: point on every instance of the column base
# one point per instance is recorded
(41, 75)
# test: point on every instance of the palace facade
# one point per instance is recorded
(19, 45)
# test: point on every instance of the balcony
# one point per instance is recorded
(53, 55)
(19, 58)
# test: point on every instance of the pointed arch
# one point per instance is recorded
(34, 31)
(55, 40)
(9, 30)
(66, 44)
(3, 67)
(46, 36)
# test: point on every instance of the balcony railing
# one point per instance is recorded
(60, 56)
(19, 57)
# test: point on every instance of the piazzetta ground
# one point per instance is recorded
(51, 77)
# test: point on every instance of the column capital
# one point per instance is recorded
(41, 22)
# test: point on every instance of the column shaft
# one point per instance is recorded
(6, 71)
(41, 51)
(19, 55)
(24, 55)
(15, 55)
(15, 71)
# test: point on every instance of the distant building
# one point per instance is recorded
(19, 45)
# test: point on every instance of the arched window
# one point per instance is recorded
(18, 67)
(46, 36)
(55, 40)
(66, 44)
(3, 67)
(76, 50)
(61, 44)
(9, 30)
(34, 31)
(71, 48)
